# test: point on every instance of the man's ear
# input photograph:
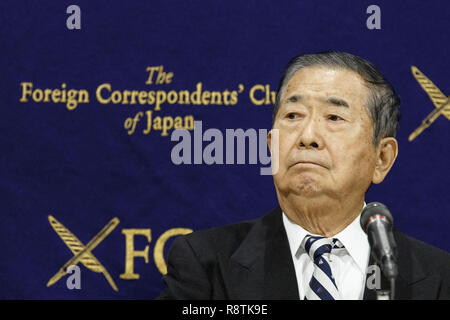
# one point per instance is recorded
(269, 140)
(387, 151)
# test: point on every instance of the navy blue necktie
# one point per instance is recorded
(322, 285)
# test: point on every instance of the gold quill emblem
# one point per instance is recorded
(82, 253)
(440, 101)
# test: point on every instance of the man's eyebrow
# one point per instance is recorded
(337, 102)
(294, 98)
(331, 100)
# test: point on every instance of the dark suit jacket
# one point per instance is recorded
(252, 260)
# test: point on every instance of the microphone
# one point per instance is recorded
(376, 221)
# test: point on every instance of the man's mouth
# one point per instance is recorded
(309, 163)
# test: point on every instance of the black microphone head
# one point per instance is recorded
(373, 210)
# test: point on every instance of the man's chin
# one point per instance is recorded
(303, 185)
(306, 187)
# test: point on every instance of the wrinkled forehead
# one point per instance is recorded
(322, 82)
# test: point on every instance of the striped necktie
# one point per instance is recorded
(322, 285)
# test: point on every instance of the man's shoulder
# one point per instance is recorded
(195, 260)
(431, 258)
(223, 239)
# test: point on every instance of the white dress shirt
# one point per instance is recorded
(347, 265)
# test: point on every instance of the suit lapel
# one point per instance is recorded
(280, 282)
(413, 282)
(243, 273)
(262, 267)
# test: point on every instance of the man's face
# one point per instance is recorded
(325, 135)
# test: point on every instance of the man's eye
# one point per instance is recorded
(334, 117)
(291, 115)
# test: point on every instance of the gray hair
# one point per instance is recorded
(382, 103)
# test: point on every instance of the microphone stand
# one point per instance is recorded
(387, 290)
(387, 294)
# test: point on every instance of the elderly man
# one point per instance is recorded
(336, 118)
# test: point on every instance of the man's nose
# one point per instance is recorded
(310, 135)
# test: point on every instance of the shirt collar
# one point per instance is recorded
(352, 237)
(356, 242)
(295, 234)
